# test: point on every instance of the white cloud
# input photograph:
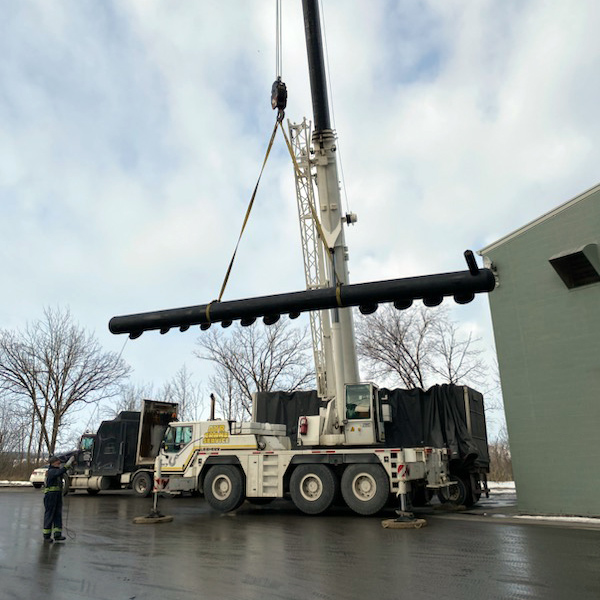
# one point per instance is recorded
(133, 134)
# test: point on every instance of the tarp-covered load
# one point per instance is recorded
(450, 416)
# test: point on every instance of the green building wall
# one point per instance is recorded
(548, 343)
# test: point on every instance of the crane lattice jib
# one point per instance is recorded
(312, 247)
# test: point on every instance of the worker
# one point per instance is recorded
(53, 493)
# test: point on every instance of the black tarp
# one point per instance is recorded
(436, 417)
(286, 408)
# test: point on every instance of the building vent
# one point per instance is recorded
(578, 267)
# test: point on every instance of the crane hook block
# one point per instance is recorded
(278, 95)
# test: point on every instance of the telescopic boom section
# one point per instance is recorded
(432, 289)
(343, 363)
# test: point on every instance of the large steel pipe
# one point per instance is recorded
(461, 285)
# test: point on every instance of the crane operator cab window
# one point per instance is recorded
(177, 437)
(358, 401)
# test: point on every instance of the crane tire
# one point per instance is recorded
(313, 488)
(224, 487)
(365, 488)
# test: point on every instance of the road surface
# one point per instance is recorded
(276, 552)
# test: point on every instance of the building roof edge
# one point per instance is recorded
(539, 220)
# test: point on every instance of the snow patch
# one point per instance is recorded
(594, 520)
(15, 483)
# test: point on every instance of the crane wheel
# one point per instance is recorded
(224, 487)
(313, 488)
(365, 488)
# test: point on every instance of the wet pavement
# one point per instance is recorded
(276, 552)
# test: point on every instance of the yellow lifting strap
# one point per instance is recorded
(278, 123)
(279, 118)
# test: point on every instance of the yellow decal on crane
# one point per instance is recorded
(216, 434)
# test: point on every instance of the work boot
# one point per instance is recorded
(48, 540)
(59, 538)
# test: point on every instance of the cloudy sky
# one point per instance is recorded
(132, 134)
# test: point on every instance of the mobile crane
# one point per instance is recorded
(343, 447)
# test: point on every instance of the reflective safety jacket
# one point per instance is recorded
(54, 481)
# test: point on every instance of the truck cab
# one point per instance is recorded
(85, 451)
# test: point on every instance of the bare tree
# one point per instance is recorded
(182, 389)
(11, 434)
(397, 345)
(417, 348)
(500, 458)
(456, 358)
(256, 359)
(129, 397)
(231, 405)
(56, 367)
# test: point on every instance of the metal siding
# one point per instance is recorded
(548, 343)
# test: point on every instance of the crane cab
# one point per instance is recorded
(364, 415)
(360, 415)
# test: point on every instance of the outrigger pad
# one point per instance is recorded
(396, 524)
(152, 519)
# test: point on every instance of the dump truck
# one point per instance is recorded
(121, 454)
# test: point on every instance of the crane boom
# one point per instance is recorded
(343, 366)
(313, 252)
(354, 415)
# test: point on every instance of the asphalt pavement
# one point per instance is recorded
(274, 551)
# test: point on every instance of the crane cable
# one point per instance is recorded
(278, 44)
(279, 102)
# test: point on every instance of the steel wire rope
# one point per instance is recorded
(279, 118)
(278, 122)
(278, 41)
